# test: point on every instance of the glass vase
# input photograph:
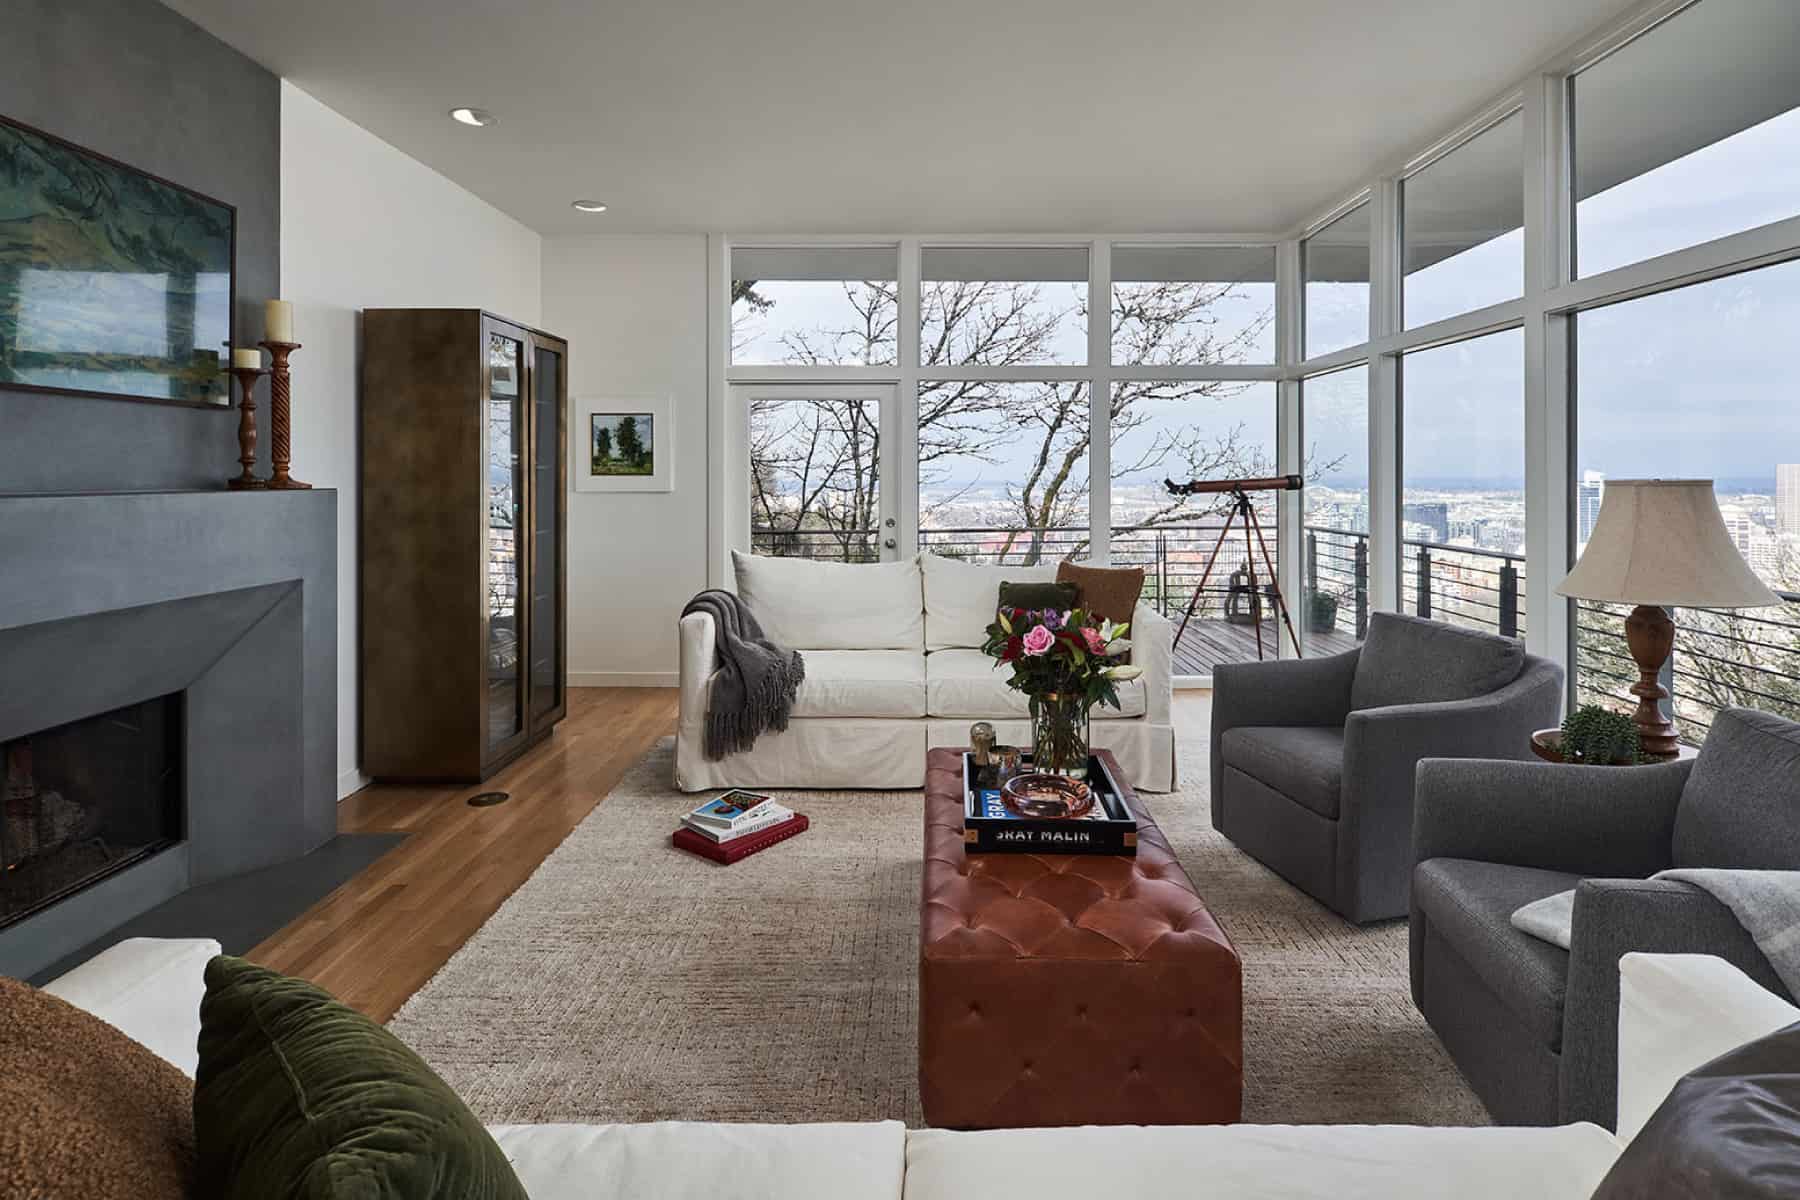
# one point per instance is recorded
(1059, 734)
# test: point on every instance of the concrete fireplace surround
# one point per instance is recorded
(231, 598)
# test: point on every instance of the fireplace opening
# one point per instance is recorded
(84, 800)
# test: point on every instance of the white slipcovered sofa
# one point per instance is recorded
(894, 667)
(1676, 1012)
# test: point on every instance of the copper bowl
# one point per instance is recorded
(1042, 796)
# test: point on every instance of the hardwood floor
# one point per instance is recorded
(379, 937)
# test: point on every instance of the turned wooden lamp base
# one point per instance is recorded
(1650, 635)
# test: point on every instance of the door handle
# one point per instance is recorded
(890, 543)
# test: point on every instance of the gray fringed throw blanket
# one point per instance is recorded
(754, 690)
(1766, 904)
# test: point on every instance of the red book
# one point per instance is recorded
(743, 847)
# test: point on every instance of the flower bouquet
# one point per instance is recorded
(1065, 661)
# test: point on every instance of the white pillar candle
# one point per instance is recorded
(247, 358)
(278, 321)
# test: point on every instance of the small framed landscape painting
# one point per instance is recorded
(623, 444)
(112, 282)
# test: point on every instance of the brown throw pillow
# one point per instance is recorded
(84, 1110)
(1729, 1130)
(1110, 593)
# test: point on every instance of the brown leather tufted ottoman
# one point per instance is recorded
(1066, 989)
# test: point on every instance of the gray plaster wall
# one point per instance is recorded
(134, 80)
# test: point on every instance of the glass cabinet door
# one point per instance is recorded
(504, 435)
(547, 536)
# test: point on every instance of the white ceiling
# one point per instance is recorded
(935, 116)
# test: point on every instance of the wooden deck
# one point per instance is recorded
(1210, 642)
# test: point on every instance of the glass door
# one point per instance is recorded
(548, 464)
(819, 464)
(503, 436)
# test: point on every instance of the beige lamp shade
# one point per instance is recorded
(1663, 542)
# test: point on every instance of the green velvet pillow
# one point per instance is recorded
(299, 1098)
(1038, 595)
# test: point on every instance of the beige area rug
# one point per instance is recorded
(628, 981)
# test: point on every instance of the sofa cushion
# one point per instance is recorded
(148, 987)
(301, 1098)
(1110, 593)
(684, 1160)
(862, 683)
(1409, 660)
(1259, 1162)
(1471, 904)
(967, 683)
(1741, 805)
(1678, 1012)
(1305, 763)
(807, 605)
(84, 1110)
(960, 598)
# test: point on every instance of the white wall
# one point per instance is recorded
(634, 311)
(365, 226)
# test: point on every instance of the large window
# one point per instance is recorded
(1462, 503)
(1210, 431)
(815, 478)
(1335, 421)
(1186, 305)
(1335, 261)
(1696, 384)
(1003, 470)
(814, 305)
(1462, 226)
(1688, 133)
(1003, 306)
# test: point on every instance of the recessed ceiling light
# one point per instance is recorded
(589, 206)
(472, 116)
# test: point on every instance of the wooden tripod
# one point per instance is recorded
(1242, 509)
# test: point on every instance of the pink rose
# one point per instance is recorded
(1038, 640)
(1095, 642)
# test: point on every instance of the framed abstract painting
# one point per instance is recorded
(112, 282)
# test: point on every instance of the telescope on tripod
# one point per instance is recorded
(1242, 510)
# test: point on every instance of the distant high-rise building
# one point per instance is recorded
(1433, 513)
(1787, 498)
(1588, 494)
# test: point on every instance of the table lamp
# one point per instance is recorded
(1659, 544)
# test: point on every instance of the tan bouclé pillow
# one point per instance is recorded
(84, 1110)
(1110, 593)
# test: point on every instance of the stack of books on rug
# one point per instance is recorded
(737, 825)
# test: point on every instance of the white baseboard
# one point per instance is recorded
(351, 781)
(641, 679)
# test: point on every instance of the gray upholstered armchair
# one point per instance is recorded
(1535, 1027)
(1312, 759)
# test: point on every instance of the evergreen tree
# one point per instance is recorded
(631, 447)
(603, 447)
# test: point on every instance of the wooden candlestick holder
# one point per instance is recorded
(247, 377)
(1650, 636)
(280, 415)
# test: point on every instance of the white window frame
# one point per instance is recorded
(1545, 312)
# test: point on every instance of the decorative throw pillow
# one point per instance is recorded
(84, 1110)
(1038, 595)
(1729, 1130)
(301, 1098)
(1110, 593)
